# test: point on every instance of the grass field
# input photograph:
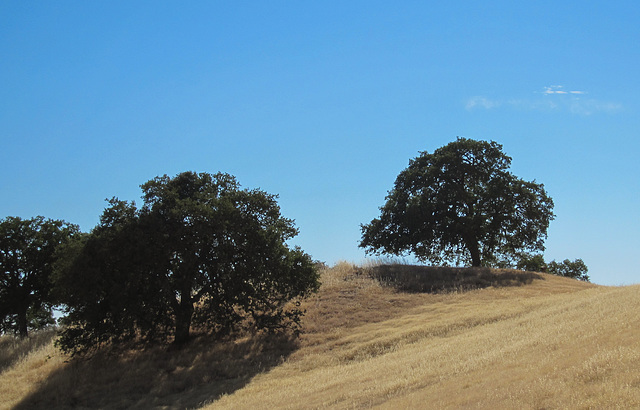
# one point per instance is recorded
(479, 339)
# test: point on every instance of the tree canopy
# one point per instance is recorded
(201, 253)
(27, 255)
(461, 204)
(575, 269)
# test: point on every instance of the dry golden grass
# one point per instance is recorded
(155, 378)
(553, 343)
(548, 342)
(25, 363)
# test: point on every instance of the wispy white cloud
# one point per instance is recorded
(558, 89)
(481, 102)
(590, 106)
(554, 98)
(533, 105)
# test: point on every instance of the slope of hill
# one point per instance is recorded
(528, 341)
(555, 342)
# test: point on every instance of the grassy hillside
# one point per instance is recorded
(519, 340)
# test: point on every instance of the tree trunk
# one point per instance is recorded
(472, 246)
(183, 322)
(475, 256)
(22, 323)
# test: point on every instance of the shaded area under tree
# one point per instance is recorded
(195, 375)
(442, 279)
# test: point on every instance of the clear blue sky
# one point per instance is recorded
(324, 103)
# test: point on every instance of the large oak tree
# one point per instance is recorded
(461, 204)
(201, 253)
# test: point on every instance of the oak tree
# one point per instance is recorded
(201, 253)
(461, 204)
(27, 254)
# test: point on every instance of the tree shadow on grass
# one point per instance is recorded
(441, 279)
(13, 348)
(197, 374)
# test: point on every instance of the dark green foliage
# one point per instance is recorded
(461, 204)
(532, 263)
(104, 281)
(201, 253)
(27, 253)
(576, 269)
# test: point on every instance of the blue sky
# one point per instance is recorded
(324, 103)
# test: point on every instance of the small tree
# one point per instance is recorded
(576, 269)
(461, 204)
(27, 254)
(200, 253)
